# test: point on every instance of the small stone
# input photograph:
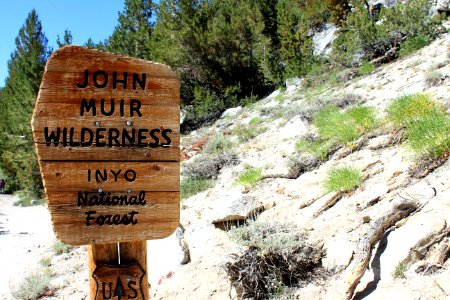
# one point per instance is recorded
(58, 283)
(366, 219)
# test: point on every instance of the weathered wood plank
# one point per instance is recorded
(158, 218)
(60, 153)
(73, 176)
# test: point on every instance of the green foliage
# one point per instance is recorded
(46, 261)
(67, 39)
(366, 69)
(208, 166)
(343, 179)
(400, 270)
(427, 124)
(318, 148)
(413, 44)
(250, 177)
(32, 285)
(345, 127)
(334, 125)
(133, 34)
(191, 186)
(268, 237)
(60, 248)
(430, 135)
(17, 157)
(245, 133)
(406, 109)
(363, 116)
(217, 144)
(362, 37)
(339, 10)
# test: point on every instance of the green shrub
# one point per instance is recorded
(413, 44)
(429, 135)
(366, 69)
(256, 121)
(209, 166)
(342, 179)
(60, 248)
(433, 78)
(406, 109)
(268, 237)
(333, 125)
(217, 144)
(399, 271)
(191, 186)
(246, 133)
(318, 148)
(363, 116)
(32, 285)
(250, 177)
(46, 261)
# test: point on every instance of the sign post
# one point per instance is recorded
(106, 131)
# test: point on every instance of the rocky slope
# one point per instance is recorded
(339, 226)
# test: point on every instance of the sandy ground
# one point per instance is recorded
(26, 235)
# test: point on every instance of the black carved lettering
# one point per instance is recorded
(95, 79)
(130, 175)
(154, 137)
(85, 106)
(86, 142)
(114, 134)
(89, 218)
(99, 136)
(111, 108)
(142, 137)
(99, 177)
(123, 81)
(116, 174)
(85, 83)
(135, 105)
(140, 81)
(52, 137)
(166, 137)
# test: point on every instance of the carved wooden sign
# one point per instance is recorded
(119, 282)
(106, 130)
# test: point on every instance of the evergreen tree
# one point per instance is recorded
(26, 66)
(132, 36)
(67, 39)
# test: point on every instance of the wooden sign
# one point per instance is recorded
(123, 282)
(106, 130)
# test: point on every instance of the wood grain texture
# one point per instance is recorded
(158, 218)
(61, 153)
(65, 167)
(73, 176)
(100, 254)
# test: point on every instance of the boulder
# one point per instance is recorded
(231, 112)
(443, 5)
(295, 127)
(323, 39)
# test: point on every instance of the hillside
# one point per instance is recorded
(263, 137)
(327, 240)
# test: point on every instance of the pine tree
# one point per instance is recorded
(67, 39)
(132, 36)
(17, 157)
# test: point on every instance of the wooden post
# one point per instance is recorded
(106, 130)
(108, 254)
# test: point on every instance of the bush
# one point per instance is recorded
(399, 271)
(191, 186)
(413, 44)
(333, 125)
(429, 135)
(32, 286)
(60, 248)
(433, 78)
(406, 109)
(364, 39)
(342, 179)
(268, 237)
(284, 260)
(217, 144)
(250, 177)
(363, 116)
(366, 69)
(318, 148)
(209, 166)
(246, 133)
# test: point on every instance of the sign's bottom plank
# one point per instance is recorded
(79, 217)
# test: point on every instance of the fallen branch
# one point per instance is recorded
(366, 243)
(330, 203)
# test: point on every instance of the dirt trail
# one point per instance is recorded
(26, 235)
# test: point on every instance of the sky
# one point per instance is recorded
(84, 18)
